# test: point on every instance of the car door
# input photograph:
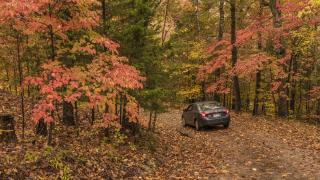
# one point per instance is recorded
(187, 115)
(193, 114)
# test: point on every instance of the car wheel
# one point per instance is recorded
(183, 122)
(226, 125)
(197, 125)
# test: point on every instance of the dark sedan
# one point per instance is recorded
(203, 114)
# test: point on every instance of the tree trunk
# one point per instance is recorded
(234, 59)
(41, 128)
(116, 106)
(282, 105)
(221, 20)
(219, 38)
(150, 120)
(163, 34)
(68, 114)
(51, 126)
(7, 130)
(308, 98)
(76, 113)
(53, 56)
(76, 116)
(29, 74)
(291, 92)
(8, 78)
(273, 95)
(197, 17)
(248, 101)
(282, 101)
(318, 109)
(15, 75)
(121, 110)
(203, 91)
(93, 115)
(154, 121)
(104, 16)
(20, 70)
(299, 108)
(256, 96)
(258, 74)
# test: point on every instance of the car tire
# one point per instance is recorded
(226, 125)
(197, 125)
(183, 122)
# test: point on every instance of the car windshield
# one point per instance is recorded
(208, 106)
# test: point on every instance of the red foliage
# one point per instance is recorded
(98, 81)
(259, 26)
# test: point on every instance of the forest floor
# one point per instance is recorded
(251, 148)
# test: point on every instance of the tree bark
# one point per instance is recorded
(234, 59)
(93, 115)
(282, 101)
(221, 20)
(53, 55)
(20, 70)
(8, 78)
(154, 121)
(163, 34)
(291, 92)
(41, 128)
(150, 120)
(121, 110)
(51, 126)
(219, 38)
(68, 114)
(258, 74)
(104, 16)
(76, 115)
(197, 17)
(294, 86)
(7, 130)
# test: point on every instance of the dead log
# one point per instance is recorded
(7, 130)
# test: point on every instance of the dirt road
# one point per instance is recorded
(252, 148)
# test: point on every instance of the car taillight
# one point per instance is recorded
(226, 111)
(203, 114)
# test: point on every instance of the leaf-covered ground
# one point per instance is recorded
(88, 152)
(252, 148)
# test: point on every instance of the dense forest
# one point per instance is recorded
(82, 68)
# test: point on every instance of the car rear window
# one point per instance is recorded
(208, 106)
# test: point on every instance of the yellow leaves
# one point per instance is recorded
(187, 68)
(184, 30)
(310, 9)
(196, 53)
(190, 93)
(307, 40)
(315, 3)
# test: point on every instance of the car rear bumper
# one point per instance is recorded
(214, 121)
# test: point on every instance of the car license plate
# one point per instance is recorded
(216, 115)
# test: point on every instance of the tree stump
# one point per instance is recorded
(7, 131)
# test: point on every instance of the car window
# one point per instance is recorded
(189, 108)
(209, 106)
(194, 107)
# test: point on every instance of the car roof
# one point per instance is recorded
(205, 102)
